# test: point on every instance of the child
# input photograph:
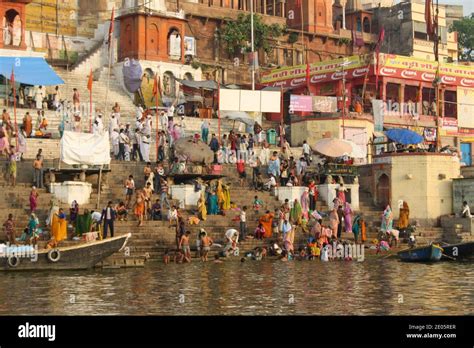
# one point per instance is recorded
(243, 223)
(259, 232)
(257, 204)
(166, 257)
(173, 215)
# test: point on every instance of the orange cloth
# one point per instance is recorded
(139, 208)
(59, 228)
(266, 221)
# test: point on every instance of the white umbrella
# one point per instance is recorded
(332, 147)
(357, 150)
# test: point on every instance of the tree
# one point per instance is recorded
(237, 34)
(465, 30)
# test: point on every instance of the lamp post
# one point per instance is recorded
(252, 44)
(344, 64)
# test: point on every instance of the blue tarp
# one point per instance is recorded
(29, 70)
(404, 136)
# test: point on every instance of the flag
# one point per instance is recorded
(12, 79)
(308, 75)
(298, 3)
(111, 28)
(155, 85)
(428, 18)
(89, 82)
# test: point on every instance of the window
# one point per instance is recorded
(174, 44)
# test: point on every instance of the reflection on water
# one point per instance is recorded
(234, 288)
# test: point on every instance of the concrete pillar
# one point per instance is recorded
(343, 4)
(401, 98)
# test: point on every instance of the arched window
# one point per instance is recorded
(366, 25)
(12, 28)
(152, 36)
(188, 76)
(359, 24)
(169, 85)
(174, 43)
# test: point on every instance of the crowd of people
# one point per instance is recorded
(269, 169)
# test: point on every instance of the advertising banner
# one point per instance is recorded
(301, 103)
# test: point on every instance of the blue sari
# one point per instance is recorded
(212, 206)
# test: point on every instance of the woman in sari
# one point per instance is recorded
(266, 221)
(201, 205)
(220, 195)
(348, 217)
(341, 194)
(73, 212)
(296, 213)
(33, 199)
(288, 241)
(334, 221)
(59, 226)
(387, 220)
(212, 204)
(83, 223)
(226, 191)
(305, 203)
(404, 216)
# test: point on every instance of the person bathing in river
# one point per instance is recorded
(206, 243)
(184, 246)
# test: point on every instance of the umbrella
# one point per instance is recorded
(332, 147)
(357, 150)
(404, 136)
(196, 152)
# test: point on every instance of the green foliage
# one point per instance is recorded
(237, 34)
(465, 29)
(293, 37)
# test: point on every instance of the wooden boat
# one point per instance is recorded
(429, 253)
(459, 251)
(81, 256)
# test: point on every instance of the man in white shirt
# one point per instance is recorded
(171, 111)
(145, 147)
(113, 123)
(163, 121)
(270, 184)
(306, 151)
(466, 211)
(231, 238)
(115, 142)
(123, 140)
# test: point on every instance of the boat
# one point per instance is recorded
(459, 251)
(81, 256)
(429, 253)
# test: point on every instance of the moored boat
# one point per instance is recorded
(459, 251)
(81, 256)
(429, 253)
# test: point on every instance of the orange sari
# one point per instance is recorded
(266, 221)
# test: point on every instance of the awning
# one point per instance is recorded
(29, 70)
(207, 84)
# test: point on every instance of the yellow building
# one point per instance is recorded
(424, 180)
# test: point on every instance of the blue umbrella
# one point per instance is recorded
(404, 136)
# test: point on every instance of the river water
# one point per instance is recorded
(378, 287)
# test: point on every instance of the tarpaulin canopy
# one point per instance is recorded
(29, 70)
(207, 84)
(404, 136)
(240, 116)
(85, 148)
